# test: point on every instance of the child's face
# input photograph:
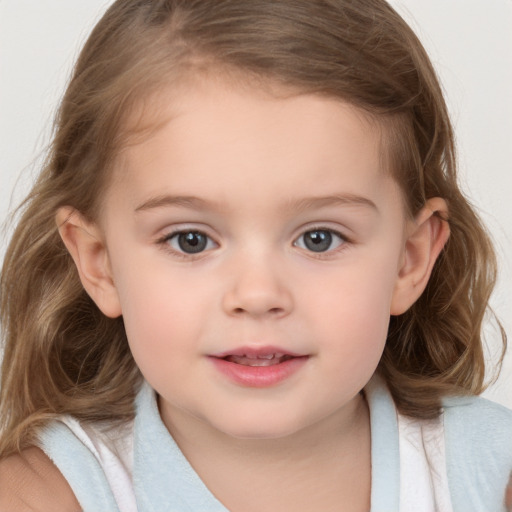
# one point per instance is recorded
(252, 225)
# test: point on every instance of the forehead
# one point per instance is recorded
(207, 83)
(212, 136)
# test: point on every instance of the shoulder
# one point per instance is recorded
(30, 482)
(480, 419)
(478, 437)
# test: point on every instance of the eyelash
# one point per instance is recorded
(165, 241)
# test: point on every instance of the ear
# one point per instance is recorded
(426, 238)
(85, 243)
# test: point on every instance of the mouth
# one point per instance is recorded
(261, 367)
(258, 360)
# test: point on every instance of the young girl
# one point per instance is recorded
(246, 278)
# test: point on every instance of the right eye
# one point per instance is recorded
(189, 242)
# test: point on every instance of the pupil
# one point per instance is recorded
(318, 241)
(192, 242)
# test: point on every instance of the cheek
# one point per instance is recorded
(162, 317)
(354, 335)
(352, 308)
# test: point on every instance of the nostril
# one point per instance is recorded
(256, 301)
(271, 311)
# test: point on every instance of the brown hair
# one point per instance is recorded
(62, 356)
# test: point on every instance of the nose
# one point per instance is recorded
(257, 287)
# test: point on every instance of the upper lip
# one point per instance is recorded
(257, 352)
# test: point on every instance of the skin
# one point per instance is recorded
(508, 495)
(29, 482)
(257, 174)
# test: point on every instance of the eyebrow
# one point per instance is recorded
(333, 200)
(191, 202)
(299, 205)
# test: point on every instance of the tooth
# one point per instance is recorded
(262, 362)
(269, 356)
(247, 361)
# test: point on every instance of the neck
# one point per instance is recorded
(323, 467)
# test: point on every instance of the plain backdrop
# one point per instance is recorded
(469, 41)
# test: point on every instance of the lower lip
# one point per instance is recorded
(259, 376)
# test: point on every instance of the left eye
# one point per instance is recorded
(320, 240)
(190, 242)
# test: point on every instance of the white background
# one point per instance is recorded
(469, 41)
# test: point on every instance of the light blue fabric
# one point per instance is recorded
(164, 481)
(478, 437)
(385, 495)
(478, 443)
(79, 467)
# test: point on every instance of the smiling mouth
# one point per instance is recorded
(258, 360)
(260, 367)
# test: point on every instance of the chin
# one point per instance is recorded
(253, 431)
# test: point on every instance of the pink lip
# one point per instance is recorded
(258, 376)
(256, 352)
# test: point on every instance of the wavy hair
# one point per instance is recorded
(63, 356)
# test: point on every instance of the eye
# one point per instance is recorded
(189, 242)
(320, 240)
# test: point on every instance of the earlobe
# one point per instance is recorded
(425, 241)
(84, 242)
